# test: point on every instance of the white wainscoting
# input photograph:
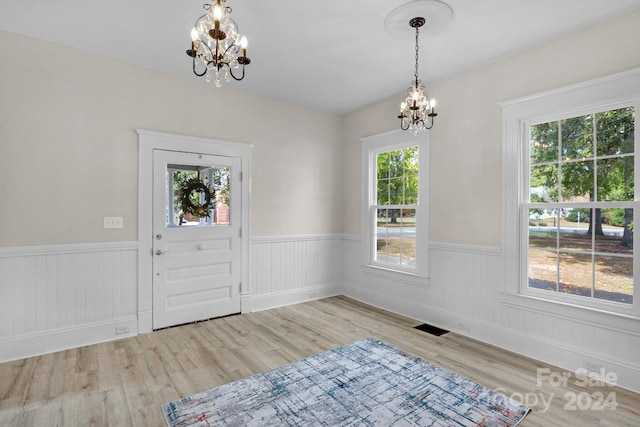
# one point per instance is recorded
(64, 296)
(291, 269)
(465, 295)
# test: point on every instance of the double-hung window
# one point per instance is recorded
(395, 227)
(571, 167)
(580, 205)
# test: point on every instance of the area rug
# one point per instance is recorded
(366, 383)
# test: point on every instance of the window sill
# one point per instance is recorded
(405, 277)
(622, 322)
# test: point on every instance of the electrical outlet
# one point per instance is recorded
(113, 222)
(120, 330)
(464, 326)
(593, 366)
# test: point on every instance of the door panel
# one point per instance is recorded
(197, 262)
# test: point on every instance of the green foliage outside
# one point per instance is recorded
(220, 184)
(614, 216)
(614, 134)
(579, 215)
(397, 181)
(566, 154)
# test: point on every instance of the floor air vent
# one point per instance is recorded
(433, 330)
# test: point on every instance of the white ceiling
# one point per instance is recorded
(334, 56)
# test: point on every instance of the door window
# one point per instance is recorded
(215, 185)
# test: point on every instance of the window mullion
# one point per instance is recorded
(595, 199)
(560, 195)
(595, 158)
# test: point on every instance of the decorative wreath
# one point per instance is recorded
(188, 190)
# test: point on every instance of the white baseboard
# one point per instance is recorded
(35, 344)
(283, 298)
(246, 303)
(557, 354)
(145, 321)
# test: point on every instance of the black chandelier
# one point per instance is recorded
(417, 112)
(216, 46)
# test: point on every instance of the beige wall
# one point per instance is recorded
(466, 183)
(68, 147)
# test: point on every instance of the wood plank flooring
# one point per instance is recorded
(124, 382)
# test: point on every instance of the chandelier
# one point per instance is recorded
(417, 112)
(216, 46)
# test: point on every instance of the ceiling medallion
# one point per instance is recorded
(436, 14)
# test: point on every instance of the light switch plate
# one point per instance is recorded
(113, 222)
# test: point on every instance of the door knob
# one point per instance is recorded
(160, 252)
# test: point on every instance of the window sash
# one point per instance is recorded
(589, 253)
(404, 239)
(371, 147)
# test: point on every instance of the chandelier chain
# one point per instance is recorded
(417, 50)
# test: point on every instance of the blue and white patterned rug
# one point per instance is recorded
(366, 383)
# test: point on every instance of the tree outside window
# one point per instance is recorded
(397, 181)
(581, 217)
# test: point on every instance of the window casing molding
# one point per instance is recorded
(371, 146)
(607, 93)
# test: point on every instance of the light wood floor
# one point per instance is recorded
(124, 382)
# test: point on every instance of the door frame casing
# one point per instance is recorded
(148, 142)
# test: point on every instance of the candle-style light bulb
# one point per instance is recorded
(414, 100)
(243, 45)
(194, 37)
(217, 12)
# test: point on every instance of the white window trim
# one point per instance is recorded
(607, 93)
(372, 145)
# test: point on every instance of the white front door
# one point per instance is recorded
(196, 261)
